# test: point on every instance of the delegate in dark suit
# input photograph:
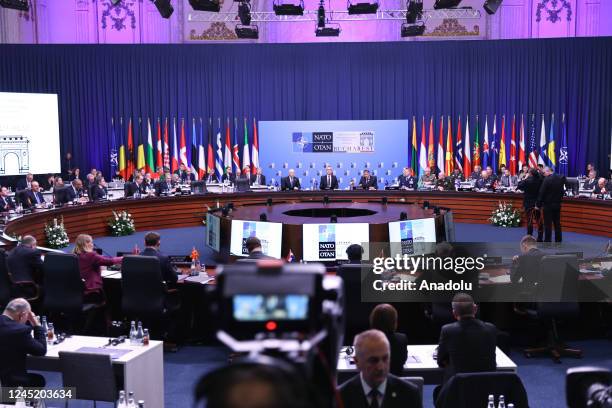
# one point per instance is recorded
(258, 179)
(467, 346)
(68, 194)
(98, 192)
(549, 198)
(211, 178)
(408, 182)
(526, 268)
(132, 188)
(24, 263)
(168, 272)
(328, 182)
(163, 187)
(367, 182)
(16, 342)
(398, 344)
(531, 188)
(398, 394)
(34, 198)
(22, 184)
(255, 256)
(6, 204)
(290, 183)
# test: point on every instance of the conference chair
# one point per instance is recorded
(556, 298)
(357, 313)
(418, 382)
(469, 390)
(10, 288)
(91, 375)
(63, 291)
(145, 295)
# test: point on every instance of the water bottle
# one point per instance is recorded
(44, 325)
(491, 403)
(139, 334)
(141, 404)
(121, 401)
(130, 402)
(133, 332)
(501, 403)
(510, 405)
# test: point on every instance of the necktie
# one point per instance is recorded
(329, 181)
(374, 396)
(291, 181)
(258, 179)
(37, 199)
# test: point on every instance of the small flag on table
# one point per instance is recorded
(290, 256)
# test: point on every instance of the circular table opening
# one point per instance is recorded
(328, 212)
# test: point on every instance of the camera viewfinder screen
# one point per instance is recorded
(256, 308)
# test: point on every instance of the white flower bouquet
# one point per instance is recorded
(505, 216)
(121, 223)
(56, 234)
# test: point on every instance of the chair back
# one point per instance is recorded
(143, 289)
(62, 283)
(5, 281)
(357, 313)
(471, 390)
(557, 291)
(90, 374)
(418, 382)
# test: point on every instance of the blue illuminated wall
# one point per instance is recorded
(279, 152)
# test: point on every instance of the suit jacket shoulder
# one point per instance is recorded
(401, 394)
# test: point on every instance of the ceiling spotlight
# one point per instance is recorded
(164, 7)
(205, 5)
(413, 30)
(288, 9)
(244, 13)
(247, 32)
(321, 15)
(362, 8)
(491, 6)
(15, 4)
(327, 31)
(444, 4)
(414, 11)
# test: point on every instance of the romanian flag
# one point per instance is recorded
(502, 144)
(150, 164)
(449, 159)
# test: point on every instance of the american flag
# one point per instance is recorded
(533, 153)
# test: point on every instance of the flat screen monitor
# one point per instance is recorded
(269, 233)
(258, 307)
(412, 237)
(213, 230)
(29, 133)
(328, 242)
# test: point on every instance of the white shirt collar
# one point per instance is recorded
(366, 388)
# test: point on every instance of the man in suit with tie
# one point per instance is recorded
(329, 180)
(368, 182)
(211, 177)
(591, 182)
(152, 244)
(549, 199)
(135, 187)
(24, 261)
(407, 181)
(467, 345)
(6, 202)
(258, 178)
(164, 186)
(25, 183)
(228, 176)
(374, 387)
(34, 196)
(17, 342)
(290, 182)
(68, 194)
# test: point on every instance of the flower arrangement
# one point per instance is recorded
(121, 223)
(56, 234)
(505, 216)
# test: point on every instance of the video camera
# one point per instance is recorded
(588, 387)
(291, 314)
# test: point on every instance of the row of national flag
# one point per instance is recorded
(137, 149)
(501, 141)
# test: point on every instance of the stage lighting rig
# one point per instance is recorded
(244, 13)
(362, 8)
(323, 29)
(288, 9)
(205, 5)
(250, 32)
(444, 4)
(414, 12)
(15, 4)
(491, 6)
(413, 30)
(164, 7)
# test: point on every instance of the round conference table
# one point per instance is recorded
(587, 216)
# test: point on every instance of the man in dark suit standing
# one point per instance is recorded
(6, 201)
(467, 345)
(329, 180)
(136, 187)
(258, 178)
(549, 199)
(152, 244)
(25, 183)
(34, 195)
(407, 181)
(368, 182)
(374, 387)
(17, 342)
(290, 182)
(531, 188)
(24, 261)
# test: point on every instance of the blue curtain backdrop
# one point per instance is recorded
(321, 81)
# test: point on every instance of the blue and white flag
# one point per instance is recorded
(563, 156)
